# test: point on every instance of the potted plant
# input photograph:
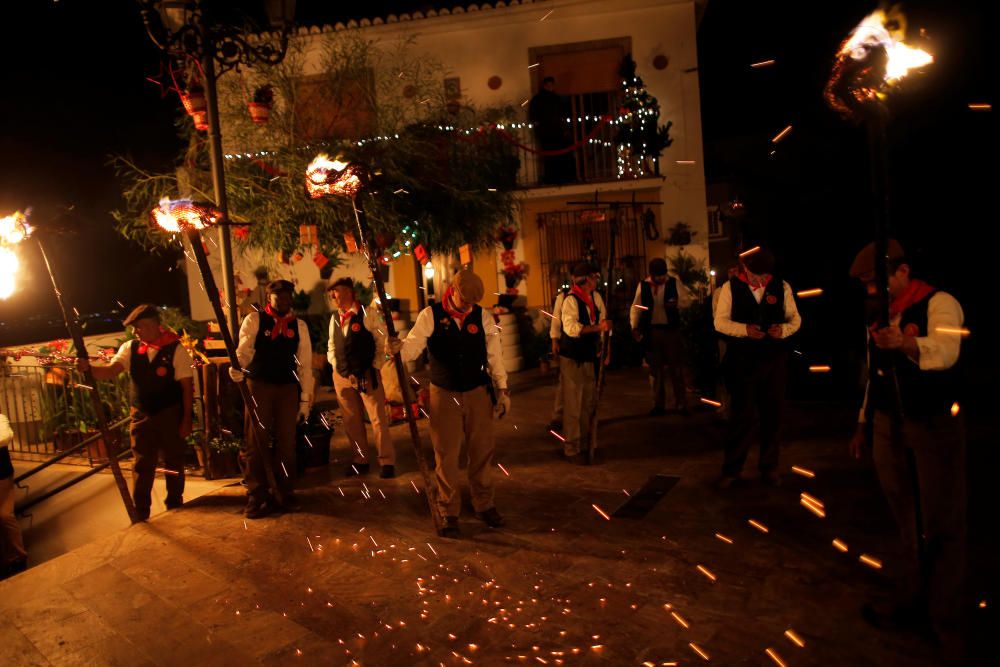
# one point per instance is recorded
(514, 274)
(506, 235)
(260, 107)
(680, 234)
(223, 453)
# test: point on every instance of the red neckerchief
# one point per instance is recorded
(754, 284)
(166, 338)
(451, 309)
(913, 293)
(577, 291)
(280, 321)
(346, 315)
(656, 286)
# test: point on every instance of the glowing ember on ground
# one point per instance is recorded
(806, 293)
(601, 512)
(870, 561)
(805, 472)
(794, 638)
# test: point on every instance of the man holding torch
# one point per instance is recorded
(161, 393)
(273, 346)
(918, 438)
(357, 353)
(468, 386)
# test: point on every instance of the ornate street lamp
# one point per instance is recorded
(185, 28)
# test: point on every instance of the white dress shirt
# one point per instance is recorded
(182, 362)
(724, 307)
(416, 341)
(303, 356)
(571, 315)
(939, 350)
(659, 311)
(555, 326)
(374, 323)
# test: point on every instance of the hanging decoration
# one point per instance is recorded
(350, 243)
(260, 107)
(640, 139)
(308, 235)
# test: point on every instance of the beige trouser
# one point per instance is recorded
(11, 542)
(353, 405)
(455, 415)
(579, 402)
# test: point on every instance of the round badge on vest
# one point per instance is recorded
(911, 329)
(289, 333)
(355, 327)
(472, 329)
(161, 371)
(771, 299)
(267, 332)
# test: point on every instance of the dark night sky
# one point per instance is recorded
(75, 92)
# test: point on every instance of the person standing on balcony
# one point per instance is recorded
(584, 319)
(656, 324)
(468, 388)
(274, 346)
(13, 557)
(756, 312)
(357, 353)
(547, 113)
(162, 392)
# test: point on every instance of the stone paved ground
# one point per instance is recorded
(358, 578)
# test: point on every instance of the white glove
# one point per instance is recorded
(304, 410)
(394, 345)
(503, 403)
(236, 374)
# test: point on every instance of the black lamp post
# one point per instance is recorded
(185, 28)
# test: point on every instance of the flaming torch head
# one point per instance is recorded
(14, 228)
(871, 61)
(179, 215)
(325, 177)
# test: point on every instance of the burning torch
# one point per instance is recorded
(190, 217)
(871, 63)
(325, 178)
(13, 230)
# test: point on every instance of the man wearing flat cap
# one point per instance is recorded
(912, 417)
(656, 323)
(466, 366)
(357, 352)
(584, 319)
(756, 313)
(161, 392)
(273, 351)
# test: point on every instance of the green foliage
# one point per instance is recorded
(691, 272)
(453, 188)
(223, 444)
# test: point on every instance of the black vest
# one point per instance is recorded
(153, 387)
(585, 347)
(274, 360)
(458, 356)
(921, 393)
(746, 310)
(669, 305)
(354, 351)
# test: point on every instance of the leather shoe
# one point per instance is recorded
(356, 469)
(388, 472)
(256, 508)
(450, 528)
(491, 517)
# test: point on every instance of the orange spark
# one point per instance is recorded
(751, 251)
(870, 561)
(806, 293)
(601, 512)
(840, 545)
(697, 649)
(763, 63)
(759, 526)
(500, 465)
(724, 538)
(794, 638)
(680, 620)
(705, 571)
(708, 401)
(980, 106)
(781, 135)
(773, 655)
(805, 472)
(557, 435)
(954, 409)
(960, 331)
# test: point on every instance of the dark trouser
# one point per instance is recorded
(757, 387)
(152, 434)
(665, 356)
(277, 409)
(937, 445)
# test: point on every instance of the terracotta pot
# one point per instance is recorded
(194, 102)
(259, 113)
(200, 120)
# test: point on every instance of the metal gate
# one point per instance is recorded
(569, 237)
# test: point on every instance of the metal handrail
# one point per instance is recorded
(59, 457)
(21, 508)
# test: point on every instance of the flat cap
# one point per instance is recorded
(276, 286)
(657, 266)
(469, 286)
(863, 267)
(141, 312)
(759, 262)
(344, 281)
